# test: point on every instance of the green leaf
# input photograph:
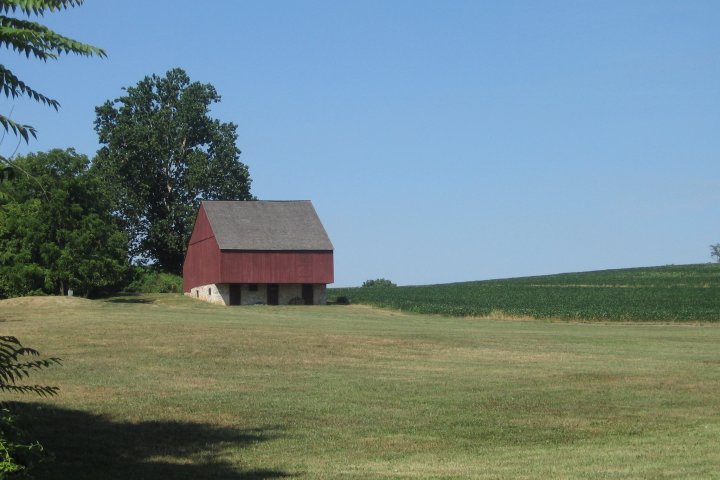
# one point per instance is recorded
(33, 39)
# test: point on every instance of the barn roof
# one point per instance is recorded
(266, 225)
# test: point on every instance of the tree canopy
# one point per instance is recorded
(161, 154)
(56, 231)
(33, 39)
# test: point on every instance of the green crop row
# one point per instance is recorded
(677, 293)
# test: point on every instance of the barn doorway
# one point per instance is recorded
(273, 293)
(307, 294)
(235, 294)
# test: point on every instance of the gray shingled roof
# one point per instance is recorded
(266, 225)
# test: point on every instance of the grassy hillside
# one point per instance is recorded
(683, 292)
(167, 387)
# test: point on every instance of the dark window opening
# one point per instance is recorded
(253, 287)
(209, 292)
(273, 293)
(197, 293)
(307, 294)
(235, 294)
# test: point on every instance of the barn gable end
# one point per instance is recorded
(203, 257)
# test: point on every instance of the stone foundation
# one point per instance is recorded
(219, 294)
(254, 294)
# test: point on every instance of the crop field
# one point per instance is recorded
(166, 387)
(671, 293)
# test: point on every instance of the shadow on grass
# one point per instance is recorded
(89, 446)
(129, 300)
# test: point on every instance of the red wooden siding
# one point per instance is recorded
(276, 267)
(202, 264)
(205, 263)
(202, 229)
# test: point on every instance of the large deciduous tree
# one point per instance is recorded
(161, 154)
(32, 39)
(56, 229)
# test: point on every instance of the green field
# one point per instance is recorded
(165, 387)
(676, 293)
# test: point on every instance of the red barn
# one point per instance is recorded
(248, 252)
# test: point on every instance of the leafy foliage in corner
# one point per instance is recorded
(17, 455)
(378, 283)
(715, 251)
(14, 369)
(161, 154)
(33, 39)
(56, 230)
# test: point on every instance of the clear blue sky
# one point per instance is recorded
(439, 141)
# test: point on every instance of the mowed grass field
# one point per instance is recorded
(165, 387)
(675, 293)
